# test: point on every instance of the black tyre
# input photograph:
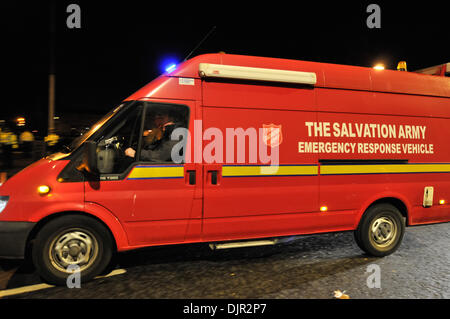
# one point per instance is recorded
(380, 230)
(68, 242)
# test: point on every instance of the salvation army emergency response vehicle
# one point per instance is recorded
(239, 151)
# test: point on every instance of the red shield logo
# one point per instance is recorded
(272, 136)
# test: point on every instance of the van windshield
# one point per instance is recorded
(94, 128)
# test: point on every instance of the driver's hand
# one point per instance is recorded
(147, 132)
(130, 152)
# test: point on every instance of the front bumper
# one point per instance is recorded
(13, 238)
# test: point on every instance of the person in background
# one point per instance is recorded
(26, 139)
(8, 141)
(51, 141)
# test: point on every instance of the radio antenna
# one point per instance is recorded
(201, 42)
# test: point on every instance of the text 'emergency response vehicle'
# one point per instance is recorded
(239, 151)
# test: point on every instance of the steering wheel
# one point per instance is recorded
(120, 146)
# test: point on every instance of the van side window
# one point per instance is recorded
(121, 134)
(160, 121)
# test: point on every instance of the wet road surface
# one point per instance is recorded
(312, 267)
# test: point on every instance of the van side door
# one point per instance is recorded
(260, 185)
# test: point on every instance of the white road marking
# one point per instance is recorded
(31, 288)
(115, 272)
(22, 290)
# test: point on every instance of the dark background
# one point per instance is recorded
(122, 45)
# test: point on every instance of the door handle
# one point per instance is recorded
(192, 177)
(213, 174)
(214, 177)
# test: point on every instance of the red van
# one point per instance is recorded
(239, 151)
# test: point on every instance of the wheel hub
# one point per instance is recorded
(383, 231)
(73, 247)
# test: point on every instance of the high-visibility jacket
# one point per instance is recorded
(9, 138)
(26, 136)
(51, 139)
(3, 137)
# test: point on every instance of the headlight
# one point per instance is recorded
(3, 202)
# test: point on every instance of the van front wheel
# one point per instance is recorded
(380, 230)
(69, 244)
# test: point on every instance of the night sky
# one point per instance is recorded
(122, 45)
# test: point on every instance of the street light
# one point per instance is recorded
(51, 73)
(20, 121)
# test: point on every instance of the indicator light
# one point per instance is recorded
(43, 190)
(379, 67)
(442, 202)
(323, 208)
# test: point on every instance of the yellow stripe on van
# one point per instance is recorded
(284, 170)
(384, 169)
(145, 172)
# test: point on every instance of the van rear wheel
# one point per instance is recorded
(71, 243)
(380, 230)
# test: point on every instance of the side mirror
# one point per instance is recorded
(89, 158)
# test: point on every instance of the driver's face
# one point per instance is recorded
(161, 119)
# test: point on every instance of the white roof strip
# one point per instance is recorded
(257, 74)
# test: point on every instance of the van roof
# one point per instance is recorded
(329, 75)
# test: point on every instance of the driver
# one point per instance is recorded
(158, 147)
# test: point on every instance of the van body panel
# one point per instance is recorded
(165, 87)
(28, 205)
(243, 191)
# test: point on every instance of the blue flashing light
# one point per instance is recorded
(171, 67)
